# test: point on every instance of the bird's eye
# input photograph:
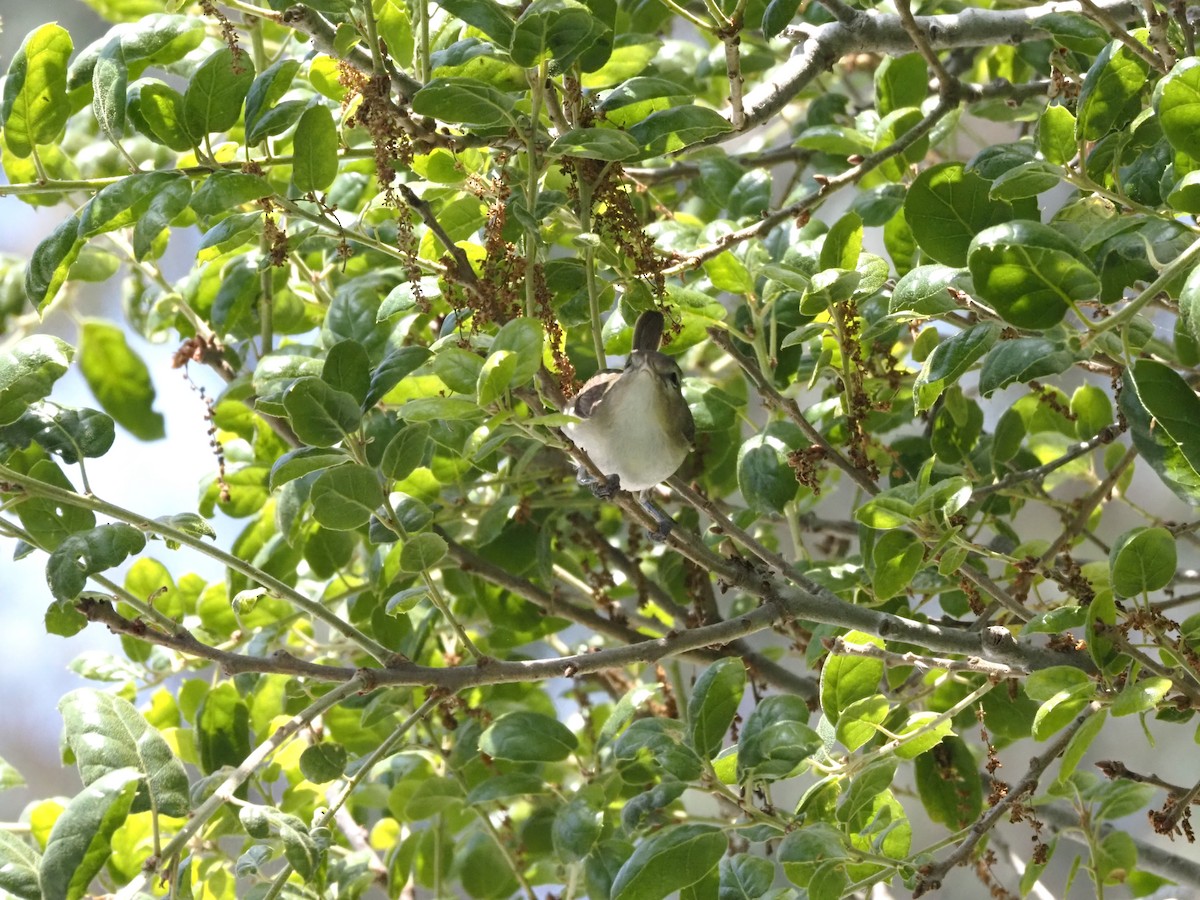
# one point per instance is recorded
(673, 377)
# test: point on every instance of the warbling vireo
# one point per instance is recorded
(634, 423)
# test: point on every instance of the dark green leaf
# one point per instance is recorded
(405, 452)
(946, 207)
(170, 200)
(948, 781)
(897, 558)
(925, 291)
(713, 704)
(668, 861)
(323, 762)
(1174, 406)
(315, 159)
(561, 30)
(1030, 273)
(88, 552)
(900, 81)
(950, 359)
(222, 728)
(224, 191)
(122, 204)
(522, 337)
(71, 433)
(1022, 360)
(422, 552)
(464, 100)
(526, 736)
(346, 497)
(594, 143)
(109, 79)
(766, 481)
(673, 129)
(156, 110)
(348, 369)
(265, 91)
(775, 739)
(320, 415)
(1142, 560)
(213, 99)
(51, 261)
(1109, 98)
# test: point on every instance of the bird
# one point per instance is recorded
(634, 423)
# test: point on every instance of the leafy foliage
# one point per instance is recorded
(924, 375)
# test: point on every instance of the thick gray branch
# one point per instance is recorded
(877, 33)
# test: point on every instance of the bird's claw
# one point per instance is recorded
(662, 522)
(603, 489)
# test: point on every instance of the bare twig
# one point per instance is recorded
(930, 877)
(1118, 31)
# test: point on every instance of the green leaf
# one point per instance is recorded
(1142, 560)
(1026, 180)
(495, 377)
(845, 679)
(900, 81)
(405, 451)
(51, 261)
(766, 481)
(669, 130)
(265, 91)
(668, 861)
(222, 728)
(80, 841)
(323, 762)
(713, 704)
(843, 243)
(214, 96)
(1141, 696)
(897, 557)
(422, 552)
(122, 204)
(35, 107)
(106, 733)
(488, 16)
(465, 100)
(156, 110)
(925, 291)
(314, 158)
(1177, 101)
(87, 553)
(1056, 135)
(803, 850)
(1030, 273)
(28, 372)
(224, 191)
(561, 30)
(949, 785)
(1080, 741)
(858, 722)
(607, 144)
(320, 415)
(1023, 360)
(578, 825)
(1172, 461)
(119, 379)
(19, 865)
(775, 739)
(345, 497)
(949, 360)
(745, 877)
(946, 207)
(522, 337)
(1109, 98)
(72, 433)
(658, 744)
(525, 736)
(165, 206)
(1174, 406)
(348, 369)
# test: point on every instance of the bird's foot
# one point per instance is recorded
(603, 489)
(662, 522)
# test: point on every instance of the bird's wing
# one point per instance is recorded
(588, 399)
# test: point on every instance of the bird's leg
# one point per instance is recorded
(604, 489)
(663, 522)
